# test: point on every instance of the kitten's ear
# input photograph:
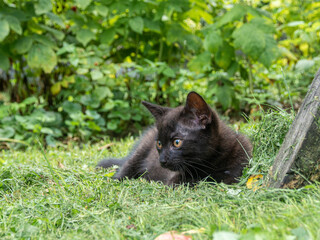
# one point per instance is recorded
(196, 105)
(156, 110)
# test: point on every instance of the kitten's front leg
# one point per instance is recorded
(128, 170)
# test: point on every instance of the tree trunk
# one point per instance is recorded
(298, 160)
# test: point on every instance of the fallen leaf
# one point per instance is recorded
(254, 182)
(107, 146)
(60, 165)
(173, 235)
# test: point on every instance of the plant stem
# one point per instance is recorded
(137, 47)
(250, 75)
(160, 50)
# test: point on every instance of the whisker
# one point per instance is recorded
(189, 172)
(194, 167)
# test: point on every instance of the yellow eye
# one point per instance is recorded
(158, 144)
(177, 143)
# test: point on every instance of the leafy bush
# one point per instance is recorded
(79, 69)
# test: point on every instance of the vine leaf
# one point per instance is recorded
(213, 41)
(136, 24)
(43, 6)
(4, 29)
(250, 39)
(83, 4)
(85, 36)
(14, 24)
(42, 56)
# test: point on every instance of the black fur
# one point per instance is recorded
(209, 149)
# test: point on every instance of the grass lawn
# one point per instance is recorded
(88, 204)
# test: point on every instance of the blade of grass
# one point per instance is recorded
(288, 89)
(53, 173)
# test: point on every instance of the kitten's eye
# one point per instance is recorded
(177, 143)
(158, 144)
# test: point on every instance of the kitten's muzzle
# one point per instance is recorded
(163, 161)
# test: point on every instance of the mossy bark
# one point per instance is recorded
(298, 160)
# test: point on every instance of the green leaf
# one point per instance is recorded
(304, 64)
(102, 92)
(56, 19)
(66, 47)
(224, 95)
(84, 36)
(200, 63)
(4, 29)
(258, 12)
(57, 34)
(213, 41)
(270, 53)
(51, 141)
(44, 40)
(22, 45)
(83, 4)
(7, 132)
(263, 25)
(233, 68)
(287, 53)
(107, 36)
(151, 25)
(107, 106)
(4, 62)
(93, 126)
(136, 117)
(295, 23)
(30, 100)
(14, 24)
(71, 107)
(102, 10)
(113, 124)
(46, 130)
(224, 56)
(175, 33)
(169, 72)
(250, 39)
(136, 24)
(96, 74)
(236, 13)
(42, 6)
(123, 114)
(41, 56)
(192, 41)
(57, 132)
(56, 88)
(90, 100)
(93, 114)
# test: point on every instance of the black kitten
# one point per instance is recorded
(189, 143)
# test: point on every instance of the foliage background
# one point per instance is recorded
(78, 69)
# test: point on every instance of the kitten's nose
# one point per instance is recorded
(163, 161)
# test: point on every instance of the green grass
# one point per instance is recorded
(86, 204)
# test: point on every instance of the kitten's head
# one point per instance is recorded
(186, 134)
